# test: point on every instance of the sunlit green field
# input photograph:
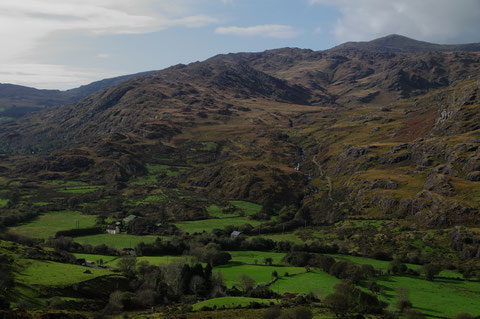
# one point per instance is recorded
(48, 224)
(49, 273)
(441, 297)
(250, 256)
(260, 273)
(248, 208)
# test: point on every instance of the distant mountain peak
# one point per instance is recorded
(401, 44)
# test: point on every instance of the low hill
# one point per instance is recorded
(17, 100)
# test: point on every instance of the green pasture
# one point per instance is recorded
(198, 226)
(155, 170)
(291, 237)
(261, 274)
(216, 211)
(318, 282)
(53, 274)
(150, 199)
(249, 257)
(248, 208)
(441, 297)
(118, 241)
(58, 182)
(79, 189)
(3, 202)
(48, 224)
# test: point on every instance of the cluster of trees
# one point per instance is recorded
(342, 269)
(67, 244)
(210, 253)
(349, 299)
(175, 246)
(152, 285)
(292, 313)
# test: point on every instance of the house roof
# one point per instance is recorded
(235, 233)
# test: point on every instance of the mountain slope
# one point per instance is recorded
(329, 130)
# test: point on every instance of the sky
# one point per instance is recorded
(62, 44)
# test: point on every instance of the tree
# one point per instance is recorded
(415, 314)
(397, 267)
(116, 300)
(343, 299)
(146, 298)
(431, 270)
(403, 302)
(463, 315)
(142, 268)
(272, 312)
(268, 261)
(368, 271)
(197, 284)
(128, 265)
(297, 313)
(347, 298)
(274, 274)
(246, 282)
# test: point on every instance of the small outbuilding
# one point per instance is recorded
(113, 230)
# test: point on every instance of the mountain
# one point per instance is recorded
(17, 100)
(400, 44)
(346, 135)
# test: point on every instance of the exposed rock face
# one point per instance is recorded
(440, 184)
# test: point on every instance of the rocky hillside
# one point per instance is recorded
(353, 132)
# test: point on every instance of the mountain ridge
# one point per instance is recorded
(401, 44)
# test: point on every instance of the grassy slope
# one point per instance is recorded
(48, 224)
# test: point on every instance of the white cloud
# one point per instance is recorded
(267, 30)
(48, 76)
(25, 23)
(103, 55)
(442, 21)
